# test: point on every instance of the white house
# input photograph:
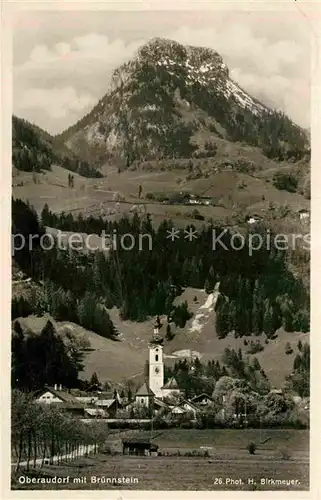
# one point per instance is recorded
(252, 219)
(171, 388)
(49, 395)
(304, 215)
(76, 401)
(185, 407)
(144, 396)
(63, 399)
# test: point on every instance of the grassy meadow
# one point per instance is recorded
(228, 466)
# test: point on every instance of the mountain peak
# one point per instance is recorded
(190, 62)
(161, 47)
(165, 96)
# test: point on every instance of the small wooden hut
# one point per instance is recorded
(136, 446)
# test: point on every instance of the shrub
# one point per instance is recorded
(211, 147)
(149, 196)
(251, 447)
(244, 165)
(196, 453)
(283, 211)
(196, 215)
(169, 334)
(186, 425)
(181, 315)
(285, 182)
(255, 347)
(161, 423)
(21, 307)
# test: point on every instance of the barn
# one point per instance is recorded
(136, 446)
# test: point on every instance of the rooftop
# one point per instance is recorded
(144, 390)
(64, 395)
(171, 384)
(201, 396)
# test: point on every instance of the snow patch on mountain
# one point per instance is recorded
(185, 354)
(232, 89)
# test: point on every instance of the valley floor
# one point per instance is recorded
(228, 466)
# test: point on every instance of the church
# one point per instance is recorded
(155, 387)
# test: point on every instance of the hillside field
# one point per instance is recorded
(234, 193)
(118, 361)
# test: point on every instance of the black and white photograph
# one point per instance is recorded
(160, 248)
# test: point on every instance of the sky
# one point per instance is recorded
(62, 61)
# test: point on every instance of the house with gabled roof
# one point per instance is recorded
(202, 399)
(304, 214)
(184, 408)
(110, 406)
(61, 398)
(83, 396)
(96, 413)
(160, 406)
(144, 395)
(171, 388)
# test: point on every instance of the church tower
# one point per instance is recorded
(156, 365)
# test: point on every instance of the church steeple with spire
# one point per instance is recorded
(156, 339)
(156, 365)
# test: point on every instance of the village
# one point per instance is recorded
(153, 401)
(151, 398)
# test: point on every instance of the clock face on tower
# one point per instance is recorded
(156, 370)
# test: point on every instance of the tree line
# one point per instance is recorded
(34, 150)
(40, 359)
(40, 432)
(30, 152)
(257, 292)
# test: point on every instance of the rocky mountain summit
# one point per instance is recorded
(173, 101)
